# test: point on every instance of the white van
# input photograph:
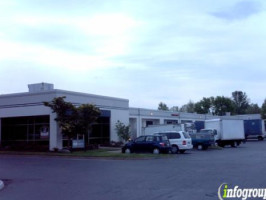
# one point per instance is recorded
(179, 140)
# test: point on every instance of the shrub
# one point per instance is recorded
(123, 131)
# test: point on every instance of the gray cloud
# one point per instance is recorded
(240, 10)
(175, 53)
(55, 37)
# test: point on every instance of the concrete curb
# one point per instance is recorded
(1, 185)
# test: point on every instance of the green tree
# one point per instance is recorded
(162, 106)
(204, 106)
(222, 104)
(241, 102)
(123, 131)
(253, 109)
(189, 107)
(263, 110)
(87, 116)
(66, 115)
(73, 120)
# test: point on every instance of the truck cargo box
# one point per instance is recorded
(199, 125)
(227, 129)
(254, 128)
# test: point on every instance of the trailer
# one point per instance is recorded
(228, 131)
(254, 129)
(199, 125)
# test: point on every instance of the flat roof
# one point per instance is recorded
(56, 91)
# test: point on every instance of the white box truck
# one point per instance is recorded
(227, 131)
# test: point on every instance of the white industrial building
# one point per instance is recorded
(24, 118)
(141, 118)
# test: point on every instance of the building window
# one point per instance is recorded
(149, 123)
(26, 132)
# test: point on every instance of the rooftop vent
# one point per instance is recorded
(39, 87)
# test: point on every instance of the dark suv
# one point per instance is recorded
(149, 143)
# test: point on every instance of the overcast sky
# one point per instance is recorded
(146, 51)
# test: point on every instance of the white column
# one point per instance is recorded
(117, 115)
(139, 125)
(0, 131)
(161, 121)
(55, 134)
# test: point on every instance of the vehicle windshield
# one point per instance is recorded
(186, 135)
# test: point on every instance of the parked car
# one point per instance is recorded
(180, 141)
(149, 143)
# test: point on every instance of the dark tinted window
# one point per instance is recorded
(140, 139)
(175, 136)
(149, 139)
(171, 135)
(164, 134)
(148, 123)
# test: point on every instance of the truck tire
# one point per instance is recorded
(260, 138)
(200, 147)
(221, 145)
(205, 147)
(234, 144)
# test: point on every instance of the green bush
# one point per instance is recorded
(123, 131)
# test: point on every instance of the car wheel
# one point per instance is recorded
(174, 149)
(127, 150)
(200, 147)
(156, 151)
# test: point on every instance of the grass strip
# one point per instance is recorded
(99, 153)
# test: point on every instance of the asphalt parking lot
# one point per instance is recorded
(193, 175)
